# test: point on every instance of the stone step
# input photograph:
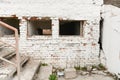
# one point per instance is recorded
(6, 52)
(10, 56)
(1, 44)
(44, 73)
(29, 70)
(8, 70)
(5, 45)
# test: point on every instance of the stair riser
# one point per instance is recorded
(8, 77)
(22, 63)
(5, 52)
(37, 70)
(9, 56)
(1, 44)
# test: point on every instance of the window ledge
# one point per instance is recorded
(40, 37)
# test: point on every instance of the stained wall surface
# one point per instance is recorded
(65, 51)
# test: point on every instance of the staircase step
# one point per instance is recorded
(44, 73)
(1, 44)
(29, 71)
(9, 56)
(5, 52)
(7, 70)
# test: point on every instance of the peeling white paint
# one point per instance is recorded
(111, 38)
(56, 49)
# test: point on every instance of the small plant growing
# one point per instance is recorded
(44, 64)
(77, 67)
(94, 67)
(54, 70)
(60, 69)
(101, 67)
(80, 68)
(84, 68)
(52, 77)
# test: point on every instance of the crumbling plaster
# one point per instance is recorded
(65, 51)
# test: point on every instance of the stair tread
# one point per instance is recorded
(44, 73)
(10, 56)
(5, 45)
(5, 51)
(7, 70)
(29, 70)
(1, 44)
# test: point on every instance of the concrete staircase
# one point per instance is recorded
(29, 66)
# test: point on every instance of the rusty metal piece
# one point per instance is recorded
(34, 18)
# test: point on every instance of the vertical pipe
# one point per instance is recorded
(17, 54)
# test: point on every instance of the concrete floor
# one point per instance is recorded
(90, 77)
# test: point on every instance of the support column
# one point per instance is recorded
(23, 36)
(23, 29)
(55, 28)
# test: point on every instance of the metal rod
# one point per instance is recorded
(7, 61)
(8, 44)
(17, 54)
(7, 26)
(16, 45)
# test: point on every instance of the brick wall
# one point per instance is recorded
(65, 51)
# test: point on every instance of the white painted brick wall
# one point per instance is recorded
(60, 51)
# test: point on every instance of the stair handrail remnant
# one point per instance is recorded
(16, 47)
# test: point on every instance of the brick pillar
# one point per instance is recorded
(23, 36)
(23, 29)
(55, 28)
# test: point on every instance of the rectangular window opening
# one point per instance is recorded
(14, 22)
(70, 28)
(39, 27)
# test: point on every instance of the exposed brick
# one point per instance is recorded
(55, 49)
